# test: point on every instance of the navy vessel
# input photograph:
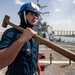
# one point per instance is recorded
(43, 29)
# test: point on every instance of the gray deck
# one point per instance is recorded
(60, 64)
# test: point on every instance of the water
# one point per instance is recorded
(65, 39)
(71, 72)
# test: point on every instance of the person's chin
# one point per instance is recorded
(33, 24)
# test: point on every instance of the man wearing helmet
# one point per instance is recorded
(20, 51)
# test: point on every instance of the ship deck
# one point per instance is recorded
(60, 65)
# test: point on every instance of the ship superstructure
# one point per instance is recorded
(43, 29)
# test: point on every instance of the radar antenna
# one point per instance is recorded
(41, 7)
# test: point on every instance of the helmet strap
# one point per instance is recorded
(25, 17)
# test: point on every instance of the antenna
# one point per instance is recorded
(37, 1)
(41, 7)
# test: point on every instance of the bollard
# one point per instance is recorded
(51, 58)
(69, 61)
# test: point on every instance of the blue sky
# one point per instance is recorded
(61, 16)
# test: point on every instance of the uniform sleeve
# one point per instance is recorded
(7, 39)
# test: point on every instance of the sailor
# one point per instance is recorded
(20, 51)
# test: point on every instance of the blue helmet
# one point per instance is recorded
(30, 7)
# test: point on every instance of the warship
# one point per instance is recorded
(43, 29)
(51, 62)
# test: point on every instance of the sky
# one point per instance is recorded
(61, 16)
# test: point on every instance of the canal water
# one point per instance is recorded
(65, 39)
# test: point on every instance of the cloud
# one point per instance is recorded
(60, 0)
(63, 25)
(19, 2)
(63, 22)
(57, 10)
(73, 1)
(74, 16)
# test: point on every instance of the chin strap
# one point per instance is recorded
(25, 17)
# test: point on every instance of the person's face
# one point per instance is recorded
(31, 17)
